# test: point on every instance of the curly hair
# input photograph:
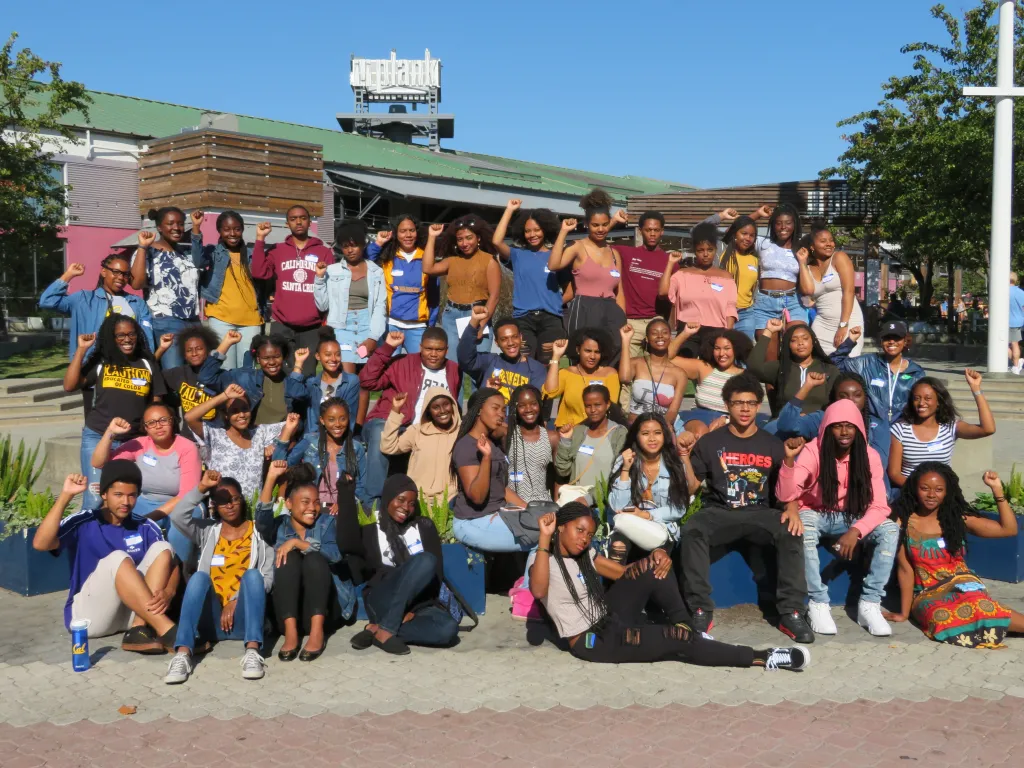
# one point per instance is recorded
(387, 253)
(599, 335)
(859, 493)
(546, 219)
(107, 350)
(349, 231)
(784, 209)
(447, 243)
(945, 413)
(596, 202)
(951, 513)
(201, 332)
(678, 492)
(741, 346)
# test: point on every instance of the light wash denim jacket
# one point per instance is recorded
(331, 296)
(663, 511)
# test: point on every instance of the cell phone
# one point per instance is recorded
(785, 315)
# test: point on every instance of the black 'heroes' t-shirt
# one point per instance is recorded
(740, 471)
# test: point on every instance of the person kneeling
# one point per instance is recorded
(123, 575)
(608, 627)
(226, 597)
(404, 570)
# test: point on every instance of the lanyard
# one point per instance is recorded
(803, 375)
(892, 378)
(654, 384)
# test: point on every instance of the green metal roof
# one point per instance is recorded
(142, 118)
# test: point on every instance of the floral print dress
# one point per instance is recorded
(172, 285)
(220, 453)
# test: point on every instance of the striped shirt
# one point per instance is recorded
(917, 451)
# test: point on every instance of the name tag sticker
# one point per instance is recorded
(516, 477)
(133, 540)
(752, 267)
(877, 383)
(312, 258)
(547, 271)
(906, 377)
(716, 287)
(941, 542)
(933, 447)
(346, 347)
(149, 459)
(217, 561)
(397, 272)
(587, 449)
(416, 547)
(614, 273)
(827, 278)
(139, 382)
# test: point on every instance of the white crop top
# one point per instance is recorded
(777, 262)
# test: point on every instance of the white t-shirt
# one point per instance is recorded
(430, 379)
(413, 543)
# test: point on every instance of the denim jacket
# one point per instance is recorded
(306, 392)
(322, 538)
(663, 512)
(213, 261)
(331, 296)
(307, 451)
(88, 309)
(249, 379)
(875, 371)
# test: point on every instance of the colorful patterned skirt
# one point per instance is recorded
(960, 612)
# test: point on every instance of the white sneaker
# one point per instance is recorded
(869, 616)
(796, 658)
(1018, 368)
(252, 665)
(820, 617)
(179, 669)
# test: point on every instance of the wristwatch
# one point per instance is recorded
(843, 325)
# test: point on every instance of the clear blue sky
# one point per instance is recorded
(707, 93)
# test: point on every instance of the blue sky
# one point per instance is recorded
(696, 91)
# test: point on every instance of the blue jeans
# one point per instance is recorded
(448, 318)
(488, 533)
(201, 610)
(90, 439)
(180, 543)
(389, 601)
(413, 337)
(768, 307)
(233, 358)
(747, 322)
(172, 358)
(885, 539)
(377, 463)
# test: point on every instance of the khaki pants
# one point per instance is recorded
(98, 600)
(639, 327)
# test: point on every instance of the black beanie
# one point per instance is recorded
(120, 471)
(393, 486)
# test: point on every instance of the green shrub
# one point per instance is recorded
(1014, 491)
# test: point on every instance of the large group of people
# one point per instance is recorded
(236, 476)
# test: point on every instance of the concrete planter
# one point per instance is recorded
(999, 559)
(28, 572)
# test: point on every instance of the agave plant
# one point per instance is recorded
(17, 467)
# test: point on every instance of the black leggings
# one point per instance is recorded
(303, 588)
(625, 638)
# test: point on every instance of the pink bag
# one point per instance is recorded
(525, 607)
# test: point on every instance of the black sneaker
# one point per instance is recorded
(794, 659)
(795, 625)
(141, 640)
(702, 621)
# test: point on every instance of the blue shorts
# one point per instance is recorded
(768, 307)
(704, 415)
(747, 322)
(351, 337)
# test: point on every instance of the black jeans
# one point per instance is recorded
(626, 638)
(538, 328)
(303, 588)
(718, 526)
(297, 337)
(391, 598)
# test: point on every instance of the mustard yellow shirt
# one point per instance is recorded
(229, 564)
(237, 303)
(570, 389)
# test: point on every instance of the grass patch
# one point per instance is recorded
(48, 363)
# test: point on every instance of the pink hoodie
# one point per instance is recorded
(801, 480)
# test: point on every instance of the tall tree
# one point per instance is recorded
(924, 154)
(33, 100)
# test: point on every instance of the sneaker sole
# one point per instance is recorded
(791, 636)
(807, 659)
(149, 649)
(253, 675)
(175, 681)
(874, 634)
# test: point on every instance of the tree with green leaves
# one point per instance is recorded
(33, 100)
(924, 154)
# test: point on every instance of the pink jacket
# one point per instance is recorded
(800, 482)
(189, 467)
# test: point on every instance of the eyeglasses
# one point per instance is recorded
(157, 422)
(744, 403)
(125, 336)
(227, 501)
(118, 272)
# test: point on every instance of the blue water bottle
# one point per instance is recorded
(80, 645)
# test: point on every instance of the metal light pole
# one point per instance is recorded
(1002, 191)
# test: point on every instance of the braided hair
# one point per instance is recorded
(859, 493)
(592, 605)
(515, 446)
(107, 350)
(273, 340)
(951, 513)
(105, 264)
(350, 453)
(678, 495)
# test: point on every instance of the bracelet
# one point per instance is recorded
(543, 549)
(999, 499)
(979, 392)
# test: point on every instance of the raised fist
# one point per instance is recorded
(395, 339)
(513, 204)
(73, 271)
(435, 230)
(86, 340)
(119, 426)
(320, 269)
(558, 348)
(383, 237)
(74, 484)
(234, 391)
(568, 225)
(775, 325)
(262, 230)
(398, 401)
(146, 238)
(209, 481)
(197, 220)
(793, 446)
(301, 355)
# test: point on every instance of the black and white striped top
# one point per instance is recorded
(917, 451)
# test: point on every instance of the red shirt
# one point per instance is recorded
(293, 270)
(641, 272)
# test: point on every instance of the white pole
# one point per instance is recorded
(1002, 199)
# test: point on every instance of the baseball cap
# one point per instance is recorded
(893, 328)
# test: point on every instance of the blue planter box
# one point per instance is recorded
(28, 572)
(463, 570)
(999, 559)
(733, 583)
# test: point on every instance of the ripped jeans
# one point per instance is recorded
(884, 540)
(626, 637)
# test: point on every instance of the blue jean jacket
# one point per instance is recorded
(331, 296)
(876, 374)
(213, 261)
(88, 310)
(322, 538)
(307, 451)
(306, 392)
(663, 511)
(251, 380)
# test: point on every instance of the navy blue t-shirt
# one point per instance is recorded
(535, 286)
(88, 538)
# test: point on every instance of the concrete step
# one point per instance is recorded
(20, 386)
(69, 402)
(38, 396)
(71, 418)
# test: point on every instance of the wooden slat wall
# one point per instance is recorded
(815, 200)
(216, 169)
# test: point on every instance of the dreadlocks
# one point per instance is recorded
(592, 605)
(951, 512)
(859, 494)
(351, 467)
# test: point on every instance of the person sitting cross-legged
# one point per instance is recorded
(403, 568)
(123, 575)
(227, 595)
(740, 463)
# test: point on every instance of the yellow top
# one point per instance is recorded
(570, 388)
(230, 562)
(237, 303)
(745, 275)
